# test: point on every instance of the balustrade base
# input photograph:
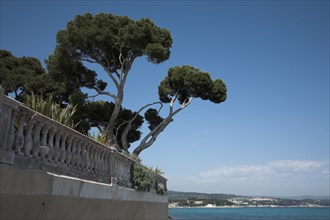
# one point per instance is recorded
(51, 167)
(35, 194)
(7, 157)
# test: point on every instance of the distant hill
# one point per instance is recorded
(183, 199)
(187, 195)
(305, 197)
(175, 195)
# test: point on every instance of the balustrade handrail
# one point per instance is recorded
(30, 139)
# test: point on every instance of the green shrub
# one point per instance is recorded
(160, 188)
(101, 138)
(50, 109)
(159, 171)
(141, 177)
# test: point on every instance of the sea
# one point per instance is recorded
(257, 213)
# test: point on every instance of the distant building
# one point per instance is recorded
(198, 202)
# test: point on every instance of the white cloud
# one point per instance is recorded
(281, 177)
(280, 168)
(298, 165)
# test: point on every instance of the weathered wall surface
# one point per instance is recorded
(35, 194)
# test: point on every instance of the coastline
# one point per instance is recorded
(250, 206)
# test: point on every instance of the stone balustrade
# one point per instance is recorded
(31, 140)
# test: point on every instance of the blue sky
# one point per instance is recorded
(270, 137)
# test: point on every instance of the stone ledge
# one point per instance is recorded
(21, 181)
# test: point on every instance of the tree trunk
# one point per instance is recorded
(152, 136)
(111, 125)
(123, 139)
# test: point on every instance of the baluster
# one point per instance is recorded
(127, 173)
(99, 158)
(51, 153)
(115, 166)
(68, 151)
(63, 150)
(28, 138)
(104, 163)
(83, 155)
(74, 152)
(57, 148)
(36, 140)
(92, 160)
(121, 174)
(108, 162)
(44, 148)
(100, 161)
(11, 133)
(78, 152)
(19, 139)
(111, 166)
(122, 169)
(97, 161)
(88, 157)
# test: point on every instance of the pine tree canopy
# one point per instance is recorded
(102, 38)
(185, 82)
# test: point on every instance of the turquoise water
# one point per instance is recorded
(250, 213)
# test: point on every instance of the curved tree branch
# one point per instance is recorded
(151, 137)
(172, 103)
(187, 102)
(102, 93)
(88, 60)
(110, 74)
(129, 125)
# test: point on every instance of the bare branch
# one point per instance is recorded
(122, 62)
(88, 60)
(185, 104)
(152, 136)
(129, 125)
(172, 103)
(93, 96)
(117, 130)
(108, 67)
(117, 74)
(150, 104)
(110, 74)
(176, 111)
(99, 92)
(125, 77)
(121, 59)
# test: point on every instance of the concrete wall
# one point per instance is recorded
(36, 194)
